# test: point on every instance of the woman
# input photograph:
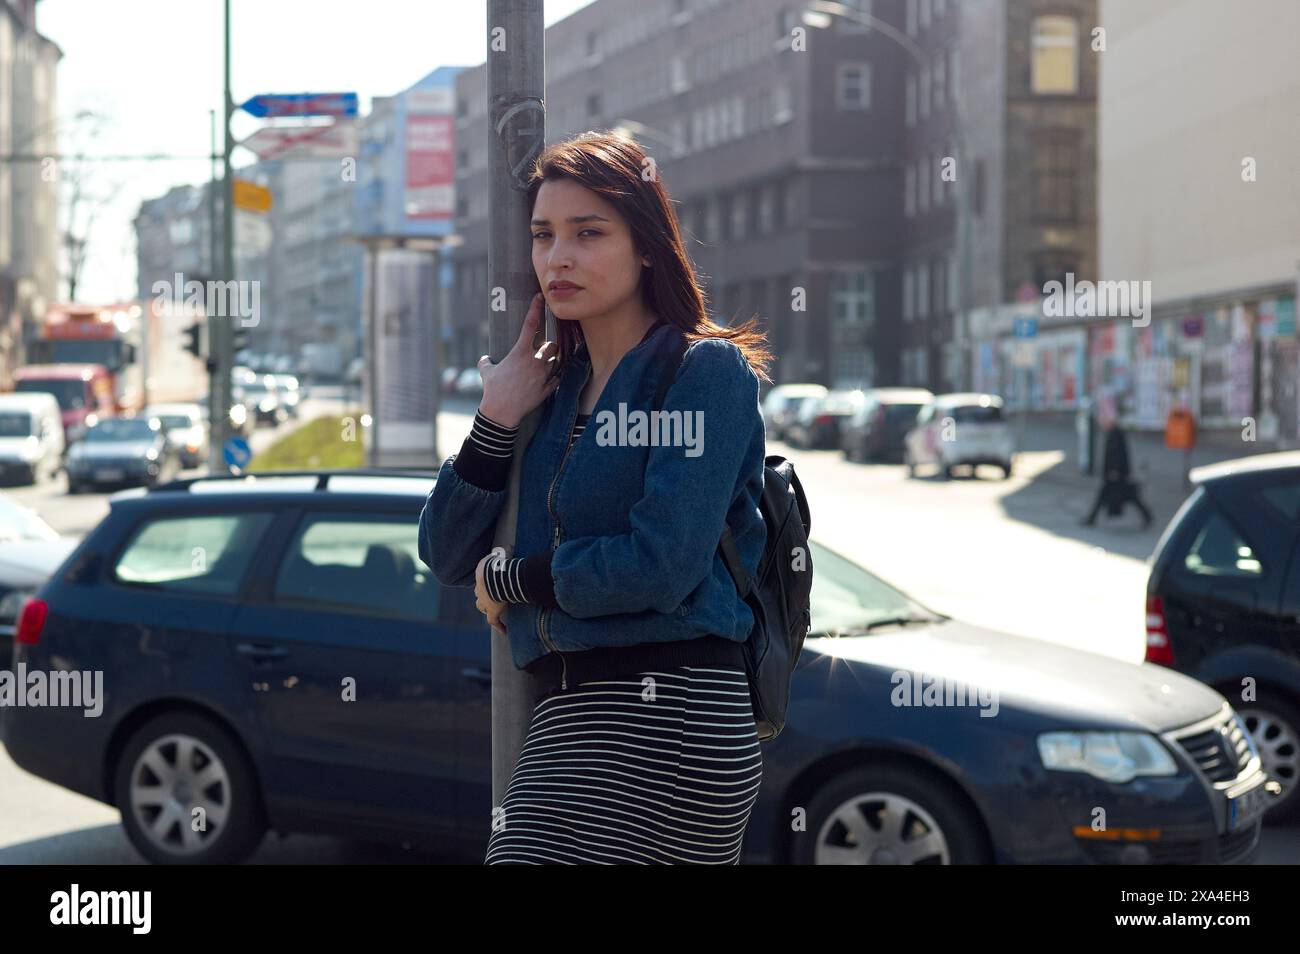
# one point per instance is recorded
(642, 747)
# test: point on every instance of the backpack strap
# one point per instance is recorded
(667, 375)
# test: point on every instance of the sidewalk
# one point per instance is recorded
(1157, 469)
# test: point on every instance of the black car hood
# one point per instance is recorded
(1032, 675)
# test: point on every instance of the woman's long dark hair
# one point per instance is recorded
(613, 166)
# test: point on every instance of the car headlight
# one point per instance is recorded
(1111, 756)
(151, 454)
(31, 449)
(267, 405)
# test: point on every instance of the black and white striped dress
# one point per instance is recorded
(660, 766)
(647, 768)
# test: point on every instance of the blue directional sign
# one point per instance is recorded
(236, 452)
(280, 105)
(1025, 327)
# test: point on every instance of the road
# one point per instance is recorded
(1007, 554)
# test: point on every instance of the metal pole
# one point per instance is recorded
(372, 338)
(516, 134)
(221, 347)
(214, 245)
(436, 348)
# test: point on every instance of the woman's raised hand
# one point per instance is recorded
(522, 379)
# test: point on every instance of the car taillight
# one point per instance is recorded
(1159, 649)
(822, 419)
(30, 622)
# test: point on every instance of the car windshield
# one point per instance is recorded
(975, 414)
(171, 421)
(121, 429)
(69, 392)
(15, 424)
(847, 600)
(902, 413)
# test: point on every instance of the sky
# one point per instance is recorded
(153, 69)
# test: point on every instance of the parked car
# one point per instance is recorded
(469, 382)
(84, 392)
(874, 431)
(312, 580)
(816, 425)
(240, 423)
(290, 392)
(782, 403)
(261, 395)
(31, 436)
(1223, 602)
(956, 430)
(186, 427)
(122, 451)
(30, 550)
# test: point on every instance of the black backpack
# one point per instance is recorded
(780, 594)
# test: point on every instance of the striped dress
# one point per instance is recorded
(647, 768)
(652, 767)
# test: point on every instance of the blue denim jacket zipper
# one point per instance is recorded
(555, 538)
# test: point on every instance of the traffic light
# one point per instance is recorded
(194, 337)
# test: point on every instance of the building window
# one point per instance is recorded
(923, 184)
(923, 290)
(766, 210)
(1056, 174)
(680, 80)
(925, 90)
(593, 104)
(853, 368)
(591, 44)
(909, 191)
(781, 107)
(940, 286)
(790, 207)
(740, 215)
(979, 186)
(853, 86)
(1053, 267)
(712, 220)
(911, 17)
(785, 24)
(909, 301)
(910, 100)
(1054, 59)
(954, 73)
(853, 299)
(954, 281)
(925, 13)
(940, 79)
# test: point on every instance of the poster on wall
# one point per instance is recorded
(430, 155)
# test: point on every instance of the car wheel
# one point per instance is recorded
(1274, 726)
(945, 471)
(1006, 470)
(907, 463)
(890, 816)
(174, 764)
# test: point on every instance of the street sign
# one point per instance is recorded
(1025, 327)
(252, 197)
(326, 141)
(280, 105)
(236, 452)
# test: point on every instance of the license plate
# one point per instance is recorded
(1245, 808)
(109, 473)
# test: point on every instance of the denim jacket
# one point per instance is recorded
(633, 529)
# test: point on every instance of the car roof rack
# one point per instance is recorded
(323, 477)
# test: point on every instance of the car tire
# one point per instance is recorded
(234, 785)
(907, 464)
(926, 807)
(945, 471)
(1274, 724)
(1006, 471)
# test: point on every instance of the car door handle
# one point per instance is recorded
(478, 674)
(261, 651)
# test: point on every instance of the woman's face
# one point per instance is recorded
(578, 237)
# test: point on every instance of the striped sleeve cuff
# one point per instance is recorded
(521, 580)
(484, 458)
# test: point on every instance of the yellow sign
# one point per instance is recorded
(252, 197)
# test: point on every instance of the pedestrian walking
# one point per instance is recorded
(642, 747)
(1117, 488)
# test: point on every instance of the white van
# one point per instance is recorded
(31, 436)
